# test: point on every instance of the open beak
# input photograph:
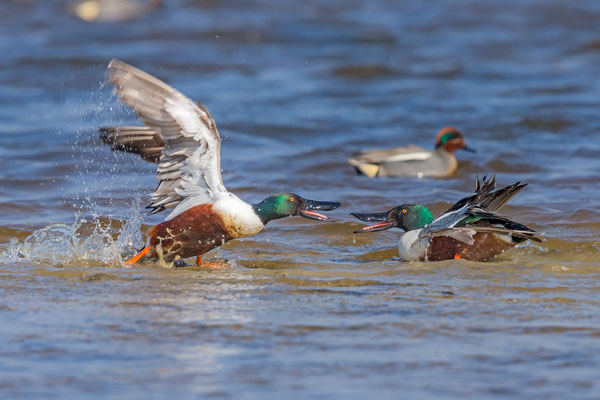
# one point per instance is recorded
(467, 148)
(310, 205)
(381, 226)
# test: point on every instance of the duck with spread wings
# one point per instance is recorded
(182, 138)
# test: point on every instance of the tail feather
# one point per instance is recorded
(369, 169)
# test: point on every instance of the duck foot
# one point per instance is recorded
(139, 255)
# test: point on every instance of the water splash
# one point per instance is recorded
(82, 243)
(131, 234)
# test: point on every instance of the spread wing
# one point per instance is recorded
(477, 220)
(479, 213)
(134, 139)
(486, 198)
(190, 166)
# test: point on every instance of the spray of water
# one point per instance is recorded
(103, 232)
(82, 243)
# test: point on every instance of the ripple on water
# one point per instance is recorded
(373, 71)
(303, 311)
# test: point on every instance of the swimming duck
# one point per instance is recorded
(111, 10)
(413, 160)
(471, 229)
(204, 214)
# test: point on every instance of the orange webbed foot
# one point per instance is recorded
(139, 255)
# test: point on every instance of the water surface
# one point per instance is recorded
(295, 89)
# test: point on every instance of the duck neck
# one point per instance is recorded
(442, 150)
(418, 217)
(267, 210)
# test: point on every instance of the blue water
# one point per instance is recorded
(303, 311)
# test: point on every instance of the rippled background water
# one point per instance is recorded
(295, 88)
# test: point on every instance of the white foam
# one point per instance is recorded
(82, 243)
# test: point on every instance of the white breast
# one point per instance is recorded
(239, 217)
(411, 248)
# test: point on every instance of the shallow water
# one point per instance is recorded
(302, 310)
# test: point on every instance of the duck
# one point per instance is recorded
(182, 137)
(413, 161)
(472, 229)
(111, 10)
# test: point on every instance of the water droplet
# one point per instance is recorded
(62, 244)
(354, 238)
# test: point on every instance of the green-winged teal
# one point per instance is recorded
(413, 160)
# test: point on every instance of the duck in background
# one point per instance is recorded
(204, 214)
(471, 229)
(413, 160)
(111, 10)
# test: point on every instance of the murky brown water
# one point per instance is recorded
(303, 310)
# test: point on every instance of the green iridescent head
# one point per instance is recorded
(288, 204)
(407, 217)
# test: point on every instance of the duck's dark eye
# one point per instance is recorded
(292, 199)
(404, 211)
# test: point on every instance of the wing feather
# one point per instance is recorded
(379, 156)
(465, 234)
(190, 166)
(479, 213)
(134, 139)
